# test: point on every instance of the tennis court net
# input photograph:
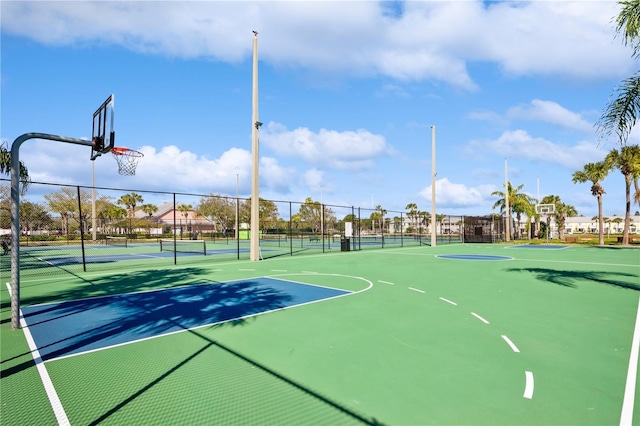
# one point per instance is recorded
(115, 241)
(184, 246)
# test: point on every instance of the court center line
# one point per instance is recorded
(626, 418)
(528, 387)
(385, 282)
(480, 318)
(54, 400)
(510, 343)
(448, 301)
(415, 289)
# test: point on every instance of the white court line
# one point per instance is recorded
(385, 282)
(510, 343)
(246, 269)
(528, 387)
(480, 318)
(448, 301)
(626, 418)
(54, 400)
(415, 289)
(278, 270)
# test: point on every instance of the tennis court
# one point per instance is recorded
(452, 334)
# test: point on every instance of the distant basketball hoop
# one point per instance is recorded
(127, 160)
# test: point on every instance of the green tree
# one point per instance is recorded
(627, 160)
(112, 215)
(65, 203)
(621, 113)
(184, 210)
(130, 201)
(595, 173)
(5, 166)
(310, 214)
(149, 210)
(562, 211)
(34, 216)
(219, 210)
(519, 203)
(267, 214)
(412, 214)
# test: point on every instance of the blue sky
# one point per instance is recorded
(348, 92)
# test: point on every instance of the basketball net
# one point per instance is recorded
(127, 160)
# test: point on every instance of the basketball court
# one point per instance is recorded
(458, 334)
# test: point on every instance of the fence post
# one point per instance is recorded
(84, 260)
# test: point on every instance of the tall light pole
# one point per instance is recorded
(237, 207)
(507, 215)
(255, 125)
(433, 187)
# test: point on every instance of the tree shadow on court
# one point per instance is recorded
(571, 279)
(325, 410)
(138, 310)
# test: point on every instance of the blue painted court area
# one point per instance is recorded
(67, 328)
(472, 257)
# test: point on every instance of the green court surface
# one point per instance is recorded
(537, 336)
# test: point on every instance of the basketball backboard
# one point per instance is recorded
(102, 134)
(545, 209)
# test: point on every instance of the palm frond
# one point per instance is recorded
(621, 113)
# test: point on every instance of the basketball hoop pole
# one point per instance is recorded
(15, 214)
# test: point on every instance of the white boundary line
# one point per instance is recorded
(528, 387)
(348, 293)
(510, 343)
(626, 418)
(448, 301)
(415, 289)
(480, 318)
(54, 400)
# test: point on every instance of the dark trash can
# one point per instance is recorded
(345, 244)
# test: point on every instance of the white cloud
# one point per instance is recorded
(428, 40)
(551, 112)
(313, 179)
(456, 195)
(348, 150)
(520, 144)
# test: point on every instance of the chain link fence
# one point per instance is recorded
(78, 229)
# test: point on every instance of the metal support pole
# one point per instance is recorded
(433, 187)
(15, 214)
(255, 161)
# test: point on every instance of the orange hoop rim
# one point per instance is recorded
(118, 150)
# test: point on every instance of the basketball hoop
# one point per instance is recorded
(127, 160)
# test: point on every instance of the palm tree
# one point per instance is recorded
(562, 211)
(595, 173)
(628, 161)
(621, 114)
(130, 201)
(380, 216)
(412, 213)
(5, 166)
(184, 209)
(149, 210)
(518, 202)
